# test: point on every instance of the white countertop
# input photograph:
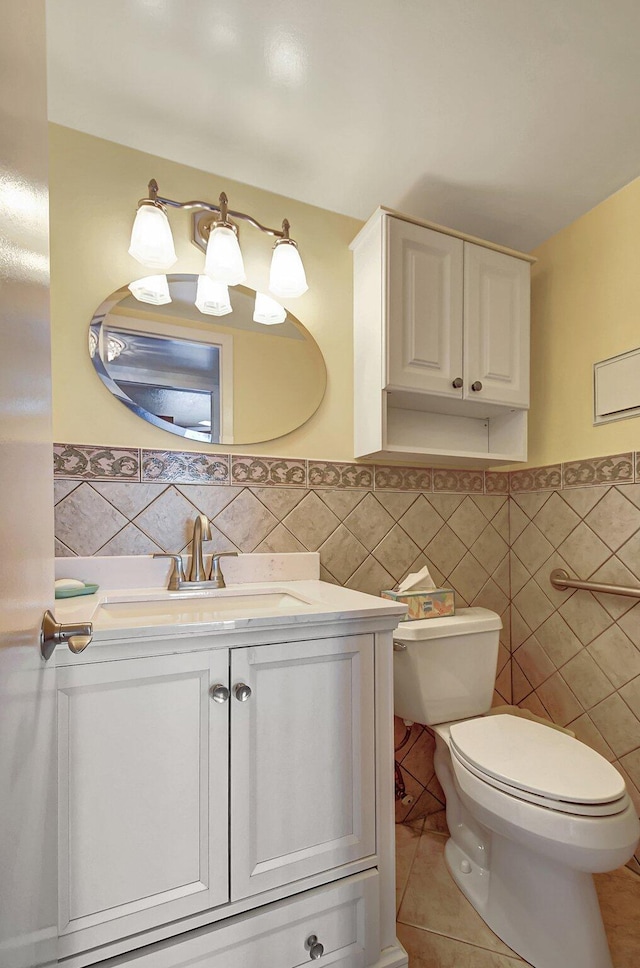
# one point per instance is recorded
(121, 611)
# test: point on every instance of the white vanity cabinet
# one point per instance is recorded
(441, 345)
(203, 783)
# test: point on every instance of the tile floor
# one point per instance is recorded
(440, 929)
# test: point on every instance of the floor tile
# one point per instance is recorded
(429, 950)
(619, 896)
(433, 901)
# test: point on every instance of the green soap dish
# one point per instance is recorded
(73, 592)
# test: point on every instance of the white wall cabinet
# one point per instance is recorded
(441, 329)
(177, 809)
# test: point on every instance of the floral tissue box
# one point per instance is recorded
(424, 604)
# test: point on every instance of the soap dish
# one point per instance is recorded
(88, 589)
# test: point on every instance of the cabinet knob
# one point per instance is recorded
(457, 383)
(242, 692)
(476, 386)
(219, 693)
(316, 950)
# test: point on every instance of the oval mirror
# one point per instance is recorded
(219, 379)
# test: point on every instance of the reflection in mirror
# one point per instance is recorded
(227, 379)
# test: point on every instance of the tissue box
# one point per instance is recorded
(424, 604)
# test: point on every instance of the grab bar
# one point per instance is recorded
(559, 578)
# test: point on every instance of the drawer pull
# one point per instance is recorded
(242, 692)
(316, 950)
(457, 383)
(476, 387)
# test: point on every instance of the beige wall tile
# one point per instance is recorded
(617, 724)
(616, 655)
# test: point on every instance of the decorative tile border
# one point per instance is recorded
(496, 482)
(617, 469)
(182, 467)
(458, 482)
(266, 471)
(536, 478)
(402, 478)
(92, 463)
(324, 473)
(75, 461)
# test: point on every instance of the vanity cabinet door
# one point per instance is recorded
(302, 760)
(424, 304)
(496, 333)
(143, 794)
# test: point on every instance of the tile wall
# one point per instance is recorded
(493, 537)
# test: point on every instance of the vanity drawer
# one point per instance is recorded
(343, 916)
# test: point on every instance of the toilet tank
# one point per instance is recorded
(445, 668)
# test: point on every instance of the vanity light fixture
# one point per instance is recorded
(216, 233)
(151, 289)
(268, 311)
(151, 237)
(212, 298)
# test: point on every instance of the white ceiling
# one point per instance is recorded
(503, 118)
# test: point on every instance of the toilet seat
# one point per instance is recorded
(532, 762)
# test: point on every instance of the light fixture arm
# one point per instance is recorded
(222, 210)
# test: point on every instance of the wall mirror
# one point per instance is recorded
(217, 379)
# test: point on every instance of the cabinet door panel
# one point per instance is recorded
(496, 310)
(143, 774)
(302, 761)
(424, 305)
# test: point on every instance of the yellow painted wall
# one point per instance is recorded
(94, 188)
(585, 308)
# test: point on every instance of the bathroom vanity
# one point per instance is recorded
(226, 776)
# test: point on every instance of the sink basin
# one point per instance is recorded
(179, 608)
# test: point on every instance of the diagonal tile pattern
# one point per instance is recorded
(571, 656)
(576, 655)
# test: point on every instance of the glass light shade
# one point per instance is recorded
(287, 277)
(223, 261)
(151, 238)
(212, 298)
(268, 311)
(151, 289)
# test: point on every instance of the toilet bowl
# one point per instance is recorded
(532, 812)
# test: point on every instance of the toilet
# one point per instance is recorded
(532, 811)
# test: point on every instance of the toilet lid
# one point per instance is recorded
(530, 756)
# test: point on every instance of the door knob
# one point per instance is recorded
(316, 950)
(242, 692)
(219, 693)
(476, 386)
(76, 635)
(457, 383)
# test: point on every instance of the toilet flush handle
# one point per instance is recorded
(399, 646)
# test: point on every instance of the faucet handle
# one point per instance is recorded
(177, 572)
(216, 574)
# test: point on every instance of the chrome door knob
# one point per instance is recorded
(316, 950)
(219, 693)
(476, 386)
(457, 383)
(242, 692)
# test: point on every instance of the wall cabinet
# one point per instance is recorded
(441, 326)
(191, 783)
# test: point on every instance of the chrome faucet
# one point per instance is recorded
(197, 572)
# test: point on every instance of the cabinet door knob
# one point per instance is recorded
(316, 950)
(457, 383)
(219, 693)
(242, 692)
(476, 386)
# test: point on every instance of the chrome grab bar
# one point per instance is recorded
(559, 578)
